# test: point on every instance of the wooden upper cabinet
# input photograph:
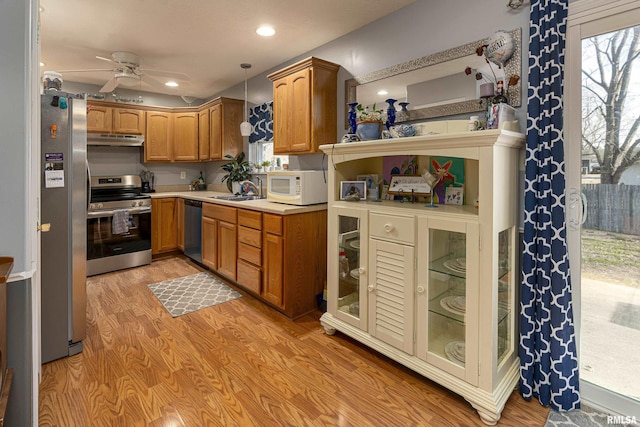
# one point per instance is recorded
(99, 119)
(185, 137)
(128, 121)
(203, 135)
(104, 119)
(305, 106)
(158, 141)
(225, 116)
(215, 132)
(281, 109)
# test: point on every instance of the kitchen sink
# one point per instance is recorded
(237, 198)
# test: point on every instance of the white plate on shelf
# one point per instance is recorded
(455, 351)
(355, 273)
(454, 304)
(355, 244)
(454, 265)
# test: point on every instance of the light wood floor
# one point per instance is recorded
(240, 363)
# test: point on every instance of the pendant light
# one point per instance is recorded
(245, 127)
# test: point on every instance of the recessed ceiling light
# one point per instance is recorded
(171, 84)
(42, 64)
(266, 31)
(383, 92)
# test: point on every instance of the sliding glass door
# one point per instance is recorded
(602, 96)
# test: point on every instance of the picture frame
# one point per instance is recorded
(372, 184)
(454, 196)
(353, 190)
(409, 185)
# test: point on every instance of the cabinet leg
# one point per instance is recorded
(488, 418)
(329, 330)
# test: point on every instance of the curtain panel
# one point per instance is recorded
(549, 363)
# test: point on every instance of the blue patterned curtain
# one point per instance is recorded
(549, 364)
(261, 119)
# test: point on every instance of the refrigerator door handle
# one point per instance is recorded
(86, 161)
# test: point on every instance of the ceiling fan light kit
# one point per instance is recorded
(128, 73)
(245, 126)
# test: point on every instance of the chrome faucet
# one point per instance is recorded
(260, 184)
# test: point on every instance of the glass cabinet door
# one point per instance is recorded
(350, 260)
(447, 295)
(506, 282)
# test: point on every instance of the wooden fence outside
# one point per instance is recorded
(612, 207)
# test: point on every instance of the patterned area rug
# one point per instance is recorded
(586, 417)
(190, 293)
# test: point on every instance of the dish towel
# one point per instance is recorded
(120, 223)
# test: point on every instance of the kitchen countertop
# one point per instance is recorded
(5, 268)
(262, 205)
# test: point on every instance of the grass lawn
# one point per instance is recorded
(611, 257)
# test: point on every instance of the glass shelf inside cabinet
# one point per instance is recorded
(447, 295)
(349, 265)
(505, 294)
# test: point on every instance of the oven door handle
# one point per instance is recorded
(106, 214)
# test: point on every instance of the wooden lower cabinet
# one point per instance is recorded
(273, 269)
(164, 225)
(227, 249)
(210, 242)
(294, 261)
(219, 239)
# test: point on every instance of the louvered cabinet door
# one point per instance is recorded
(391, 290)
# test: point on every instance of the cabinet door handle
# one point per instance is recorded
(388, 228)
(371, 288)
(420, 289)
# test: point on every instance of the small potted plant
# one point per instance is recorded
(266, 165)
(238, 169)
(369, 122)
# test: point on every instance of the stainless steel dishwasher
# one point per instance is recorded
(193, 230)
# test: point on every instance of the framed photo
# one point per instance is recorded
(454, 196)
(407, 185)
(372, 184)
(353, 190)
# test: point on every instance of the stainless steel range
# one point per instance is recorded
(118, 224)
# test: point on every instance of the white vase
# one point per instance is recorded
(235, 187)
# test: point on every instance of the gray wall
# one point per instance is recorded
(423, 28)
(13, 122)
(15, 196)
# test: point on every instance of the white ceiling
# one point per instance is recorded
(205, 39)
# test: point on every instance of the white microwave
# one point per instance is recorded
(297, 187)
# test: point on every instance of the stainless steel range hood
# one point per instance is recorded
(115, 140)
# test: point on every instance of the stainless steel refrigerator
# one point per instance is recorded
(64, 208)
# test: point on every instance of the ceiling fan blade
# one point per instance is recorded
(86, 70)
(170, 74)
(110, 85)
(104, 59)
(154, 83)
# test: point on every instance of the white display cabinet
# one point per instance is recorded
(431, 288)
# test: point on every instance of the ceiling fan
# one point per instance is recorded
(127, 72)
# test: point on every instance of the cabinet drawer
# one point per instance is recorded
(392, 227)
(249, 276)
(273, 224)
(250, 253)
(250, 236)
(223, 213)
(251, 219)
